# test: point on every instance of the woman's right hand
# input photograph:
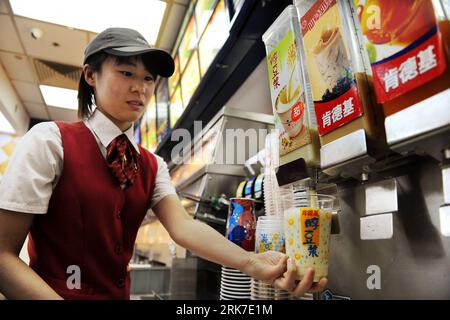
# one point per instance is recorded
(298, 288)
(276, 269)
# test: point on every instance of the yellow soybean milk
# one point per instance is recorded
(307, 232)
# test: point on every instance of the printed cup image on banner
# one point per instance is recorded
(395, 22)
(290, 107)
(332, 59)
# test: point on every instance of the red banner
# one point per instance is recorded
(409, 70)
(333, 114)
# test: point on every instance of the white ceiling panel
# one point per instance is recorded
(28, 92)
(71, 43)
(37, 110)
(4, 6)
(63, 114)
(8, 39)
(18, 67)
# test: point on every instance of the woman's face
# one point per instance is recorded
(122, 90)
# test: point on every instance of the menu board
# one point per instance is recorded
(152, 141)
(215, 35)
(203, 11)
(173, 80)
(188, 43)
(162, 109)
(190, 78)
(176, 107)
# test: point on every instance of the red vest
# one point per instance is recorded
(91, 222)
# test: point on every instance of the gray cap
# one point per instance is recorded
(129, 42)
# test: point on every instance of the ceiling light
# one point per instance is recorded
(59, 97)
(144, 16)
(36, 33)
(5, 125)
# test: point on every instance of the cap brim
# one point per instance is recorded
(159, 60)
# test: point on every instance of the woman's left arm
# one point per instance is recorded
(207, 243)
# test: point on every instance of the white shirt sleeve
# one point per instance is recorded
(33, 170)
(163, 184)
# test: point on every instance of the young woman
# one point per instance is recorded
(81, 190)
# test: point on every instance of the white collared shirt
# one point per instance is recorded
(37, 163)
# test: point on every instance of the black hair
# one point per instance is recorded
(86, 97)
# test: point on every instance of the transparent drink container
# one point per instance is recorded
(269, 234)
(307, 227)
